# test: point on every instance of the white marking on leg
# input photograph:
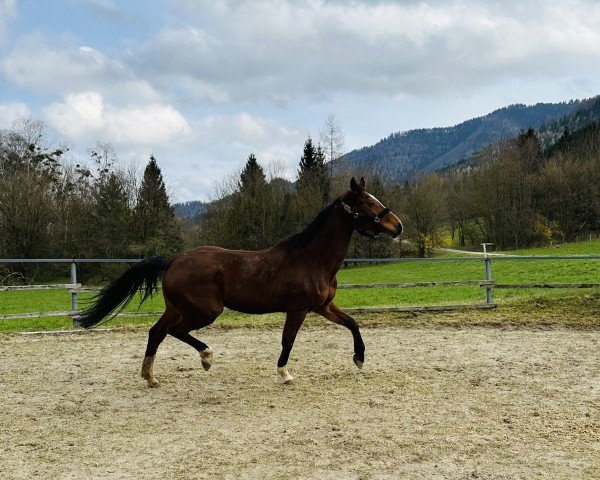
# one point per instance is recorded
(285, 375)
(206, 357)
(148, 372)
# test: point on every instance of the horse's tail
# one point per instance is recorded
(142, 276)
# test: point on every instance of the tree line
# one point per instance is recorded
(514, 194)
(52, 208)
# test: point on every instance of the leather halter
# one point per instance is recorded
(361, 216)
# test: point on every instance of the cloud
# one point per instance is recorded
(86, 116)
(65, 67)
(283, 50)
(8, 11)
(9, 112)
(104, 9)
(246, 129)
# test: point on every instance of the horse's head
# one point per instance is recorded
(370, 217)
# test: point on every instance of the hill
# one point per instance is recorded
(586, 113)
(403, 154)
(192, 209)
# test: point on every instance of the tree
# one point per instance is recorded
(332, 138)
(251, 210)
(248, 218)
(424, 207)
(29, 178)
(157, 231)
(313, 171)
(312, 186)
(502, 197)
(252, 178)
(111, 217)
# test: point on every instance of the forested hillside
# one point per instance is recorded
(402, 155)
(588, 111)
(192, 210)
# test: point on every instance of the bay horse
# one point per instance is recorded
(296, 276)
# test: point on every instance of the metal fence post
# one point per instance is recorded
(74, 283)
(488, 276)
(488, 273)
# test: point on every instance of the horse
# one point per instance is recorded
(295, 276)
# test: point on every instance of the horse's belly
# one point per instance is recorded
(287, 298)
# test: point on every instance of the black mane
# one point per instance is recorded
(302, 238)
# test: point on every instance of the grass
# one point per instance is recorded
(573, 248)
(504, 271)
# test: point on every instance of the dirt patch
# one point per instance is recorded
(430, 403)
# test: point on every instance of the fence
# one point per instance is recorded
(488, 283)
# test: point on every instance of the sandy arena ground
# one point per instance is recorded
(430, 403)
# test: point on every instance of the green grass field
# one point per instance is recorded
(504, 271)
(578, 248)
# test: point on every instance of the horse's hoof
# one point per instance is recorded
(206, 357)
(153, 383)
(286, 378)
(357, 362)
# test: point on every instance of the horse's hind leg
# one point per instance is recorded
(196, 313)
(181, 331)
(332, 312)
(156, 335)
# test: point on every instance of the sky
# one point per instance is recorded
(202, 84)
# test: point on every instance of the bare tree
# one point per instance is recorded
(332, 140)
(425, 210)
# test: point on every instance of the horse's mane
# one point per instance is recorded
(302, 238)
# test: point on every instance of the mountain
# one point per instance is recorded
(192, 210)
(404, 154)
(586, 113)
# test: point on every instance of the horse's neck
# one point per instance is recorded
(330, 245)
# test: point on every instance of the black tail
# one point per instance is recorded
(117, 295)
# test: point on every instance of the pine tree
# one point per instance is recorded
(157, 230)
(323, 178)
(252, 178)
(308, 159)
(111, 217)
(313, 184)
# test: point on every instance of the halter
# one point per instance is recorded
(359, 216)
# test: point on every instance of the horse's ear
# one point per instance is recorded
(362, 182)
(354, 186)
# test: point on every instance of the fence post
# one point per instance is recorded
(488, 276)
(73, 282)
(488, 273)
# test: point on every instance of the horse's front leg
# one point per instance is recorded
(293, 321)
(332, 312)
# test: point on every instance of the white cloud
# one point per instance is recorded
(280, 50)
(86, 116)
(104, 9)
(246, 129)
(8, 11)
(257, 75)
(65, 68)
(9, 112)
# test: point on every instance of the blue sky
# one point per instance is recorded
(202, 84)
